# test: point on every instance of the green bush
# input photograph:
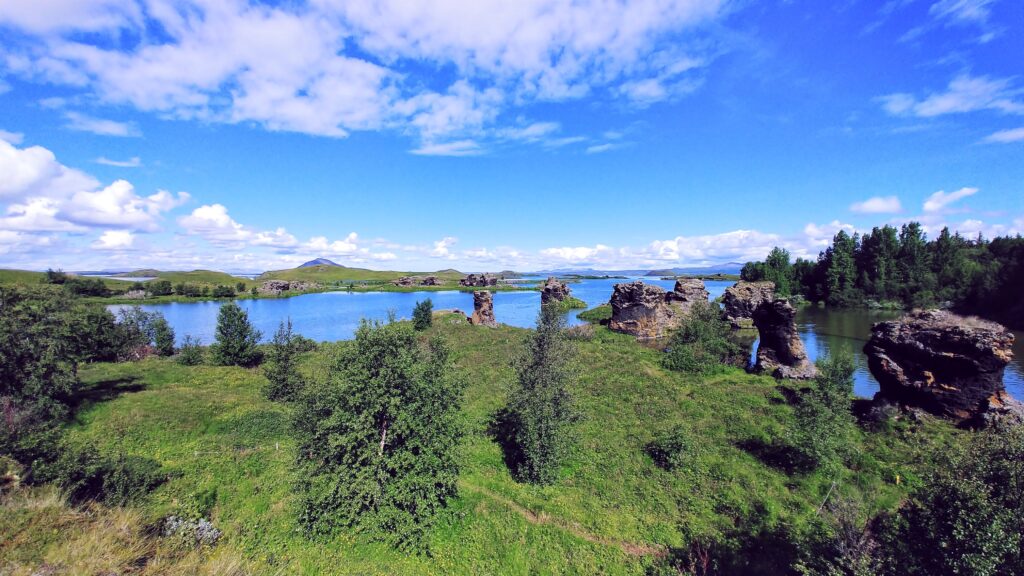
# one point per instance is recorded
(190, 353)
(703, 344)
(378, 438)
(423, 315)
(237, 340)
(968, 518)
(223, 292)
(84, 475)
(163, 337)
(821, 432)
(673, 450)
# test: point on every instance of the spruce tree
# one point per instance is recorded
(285, 382)
(237, 340)
(540, 410)
(377, 438)
(422, 315)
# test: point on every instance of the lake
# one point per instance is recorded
(329, 316)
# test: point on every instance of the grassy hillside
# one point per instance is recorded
(336, 274)
(613, 511)
(210, 277)
(29, 277)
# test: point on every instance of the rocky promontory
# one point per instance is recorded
(949, 365)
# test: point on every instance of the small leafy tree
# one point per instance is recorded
(136, 332)
(237, 340)
(823, 418)
(163, 336)
(283, 376)
(423, 315)
(703, 345)
(190, 353)
(377, 439)
(540, 410)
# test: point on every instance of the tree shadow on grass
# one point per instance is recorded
(103, 391)
(502, 428)
(776, 454)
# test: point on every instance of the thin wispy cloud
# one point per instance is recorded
(100, 126)
(133, 162)
(1006, 136)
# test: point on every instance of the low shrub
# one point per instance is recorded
(190, 353)
(673, 450)
(703, 345)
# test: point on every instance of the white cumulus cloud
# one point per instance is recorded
(877, 205)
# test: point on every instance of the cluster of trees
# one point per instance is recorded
(76, 285)
(906, 268)
(45, 335)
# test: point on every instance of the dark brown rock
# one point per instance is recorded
(780, 352)
(949, 365)
(741, 299)
(647, 311)
(483, 309)
(478, 280)
(554, 291)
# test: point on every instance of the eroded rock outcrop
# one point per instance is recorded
(780, 352)
(741, 300)
(554, 291)
(476, 280)
(647, 311)
(687, 292)
(417, 281)
(275, 287)
(483, 309)
(949, 365)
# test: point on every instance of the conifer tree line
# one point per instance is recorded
(903, 267)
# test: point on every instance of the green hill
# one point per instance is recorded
(210, 277)
(8, 276)
(326, 274)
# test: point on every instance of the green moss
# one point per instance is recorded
(571, 303)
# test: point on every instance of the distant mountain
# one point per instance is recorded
(727, 268)
(319, 262)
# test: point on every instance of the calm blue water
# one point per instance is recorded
(329, 316)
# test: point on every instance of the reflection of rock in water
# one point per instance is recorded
(746, 340)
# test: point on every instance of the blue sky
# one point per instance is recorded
(483, 134)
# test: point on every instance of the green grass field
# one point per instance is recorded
(613, 511)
